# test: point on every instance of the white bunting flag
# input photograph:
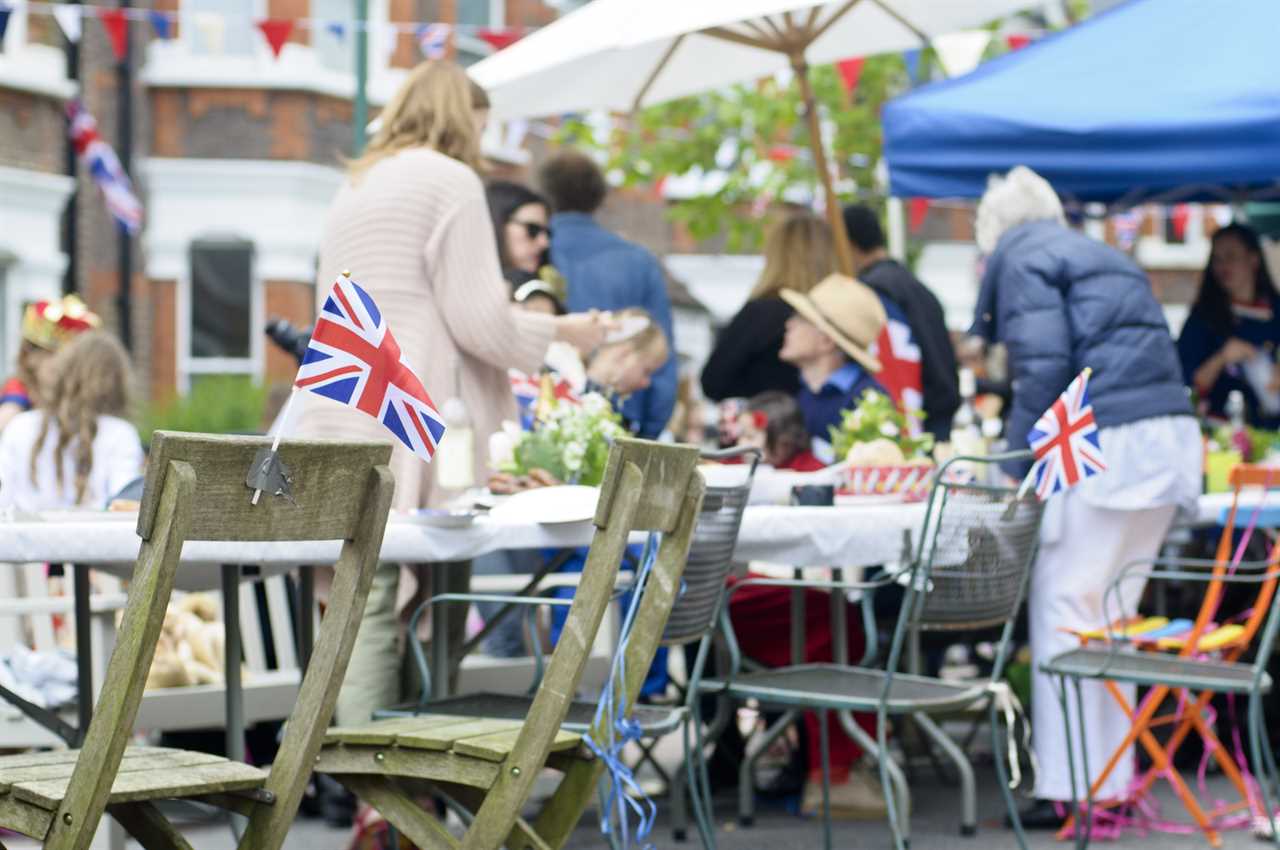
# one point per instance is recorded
(960, 52)
(69, 19)
(213, 30)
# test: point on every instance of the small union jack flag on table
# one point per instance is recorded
(1065, 441)
(354, 360)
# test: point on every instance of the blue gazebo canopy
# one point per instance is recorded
(1154, 99)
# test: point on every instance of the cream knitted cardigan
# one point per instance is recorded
(415, 233)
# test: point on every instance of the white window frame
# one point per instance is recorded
(1155, 252)
(189, 365)
(37, 68)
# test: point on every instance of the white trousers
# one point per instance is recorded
(1070, 578)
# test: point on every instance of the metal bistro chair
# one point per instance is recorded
(971, 566)
(693, 619)
(1187, 669)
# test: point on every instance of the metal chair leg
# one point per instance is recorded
(1084, 758)
(1071, 760)
(824, 745)
(704, 809)
(746, 774)
(1265, 763)
(1015, 818)
(895, 787)
(968, 786)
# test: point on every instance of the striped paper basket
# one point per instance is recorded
(908, 483)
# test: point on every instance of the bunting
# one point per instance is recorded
(917, 211)
(1178, 217)
(276, 32)
(160, 23)
(499, 39)
(68, 18)
(113, 21)
(1127, 225)
(433, 40)
(850, 72)
(961, 52)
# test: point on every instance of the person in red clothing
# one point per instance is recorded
(762, 622)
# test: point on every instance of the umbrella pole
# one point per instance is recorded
(844, 253)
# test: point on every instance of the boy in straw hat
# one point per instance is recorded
(829, 340)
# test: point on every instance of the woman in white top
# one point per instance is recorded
(77, 450)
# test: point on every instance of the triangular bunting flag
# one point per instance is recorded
(1178, 217)
(4, 20)
(337, 29)
(850, 71)
(113, 21)
(960, 52)
(213, 30)
(433, 40)
(499, 39)
(160, 23)
(1017, 41)
(917, 210)
(276, 31)
(68, 18)
(912, 60)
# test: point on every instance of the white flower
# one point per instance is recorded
(502, 448)
(575, 452)
(888, 429)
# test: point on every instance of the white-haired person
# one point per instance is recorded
(1061, 301)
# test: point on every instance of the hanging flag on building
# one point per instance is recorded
(105, 168)
(850, 71)
(276, 32)
(1065, 441)
(160, 23)
(68, 18)
(354, 359)
(113, 21)
(433, 40)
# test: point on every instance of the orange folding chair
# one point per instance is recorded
(1186, 663)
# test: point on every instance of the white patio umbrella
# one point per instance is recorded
(620, 55)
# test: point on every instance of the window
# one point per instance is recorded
(332, 33)
(216, 27)
(220, 311)
(476, 13)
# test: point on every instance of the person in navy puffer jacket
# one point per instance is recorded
(1061, 301)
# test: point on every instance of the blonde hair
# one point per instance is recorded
(1016, 198)
(652, 340)
(89, 378)
(433, 108)
(798, 253)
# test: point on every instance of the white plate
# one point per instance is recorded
(438, 518)
(549, 505)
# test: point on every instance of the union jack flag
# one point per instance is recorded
(1065, 441)
(105, 168)
(353, 359)
(433, 40)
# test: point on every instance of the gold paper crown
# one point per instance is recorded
(49, 324)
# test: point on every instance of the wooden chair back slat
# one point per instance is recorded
(108, 734)
(326, 495)
(667, 471)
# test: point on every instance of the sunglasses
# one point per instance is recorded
(532, 229)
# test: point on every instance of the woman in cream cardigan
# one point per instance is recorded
(412, 225)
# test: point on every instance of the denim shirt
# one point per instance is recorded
(606, 272)
(839, 392)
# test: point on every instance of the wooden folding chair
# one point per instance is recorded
(488, 765)
(339, 491)
(1187, 663)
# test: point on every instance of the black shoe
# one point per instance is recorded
(337, 804)
(1039, 815)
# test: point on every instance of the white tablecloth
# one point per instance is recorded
(841, 536)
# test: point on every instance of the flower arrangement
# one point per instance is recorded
(877, 429)
(571, 441)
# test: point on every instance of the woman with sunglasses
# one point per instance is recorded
(520, 217)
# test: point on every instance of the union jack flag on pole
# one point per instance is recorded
(353, 359)
(1065, 441)
(105, 168)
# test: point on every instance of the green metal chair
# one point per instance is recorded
(971, 565)
(693, 619)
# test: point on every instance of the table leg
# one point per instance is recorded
(84, 650)
(797, 620)
(234, 693)
(440, 652)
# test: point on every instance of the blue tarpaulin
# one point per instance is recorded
(1167, 99)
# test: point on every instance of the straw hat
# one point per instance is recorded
(846, 310)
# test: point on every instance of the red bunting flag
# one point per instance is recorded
(850, 70)
(1017, 41)
(1179, 217)
(499, 39)
(276, 31)
(113, 21)
(917, 209)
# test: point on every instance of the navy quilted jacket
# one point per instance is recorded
(1061, 301)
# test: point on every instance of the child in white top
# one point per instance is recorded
(77, 450)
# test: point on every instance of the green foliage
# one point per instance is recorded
(877, 418)
(217, 404)
(764, 122)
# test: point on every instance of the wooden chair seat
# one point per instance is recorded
(376, 748)
(146, 773)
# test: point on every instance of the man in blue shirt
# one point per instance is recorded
(606, 272)
(828, 340)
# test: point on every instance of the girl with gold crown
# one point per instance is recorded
(46, 325)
